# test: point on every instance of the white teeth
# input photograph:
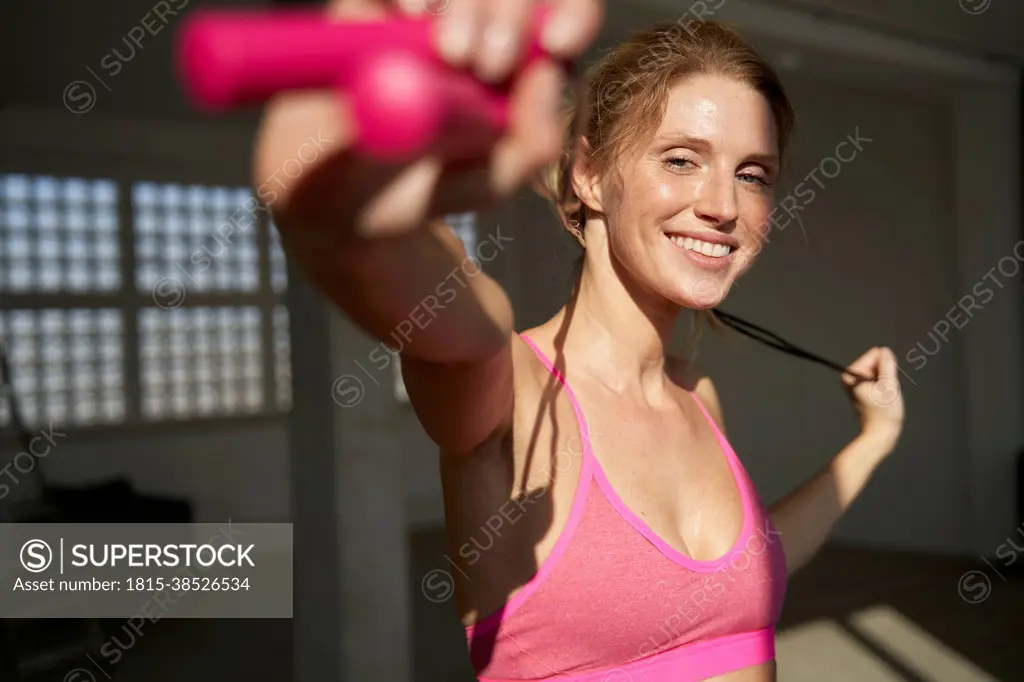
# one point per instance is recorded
(698, 246)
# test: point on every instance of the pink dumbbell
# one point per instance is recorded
(404, 97)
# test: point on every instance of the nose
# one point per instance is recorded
(716, 199)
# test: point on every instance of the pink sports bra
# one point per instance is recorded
(615, 603)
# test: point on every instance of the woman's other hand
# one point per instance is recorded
(879, 403)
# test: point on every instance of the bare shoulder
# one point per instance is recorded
(692, 377)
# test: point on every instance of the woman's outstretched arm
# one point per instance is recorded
(365, 233)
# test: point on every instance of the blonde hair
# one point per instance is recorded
(622, 99)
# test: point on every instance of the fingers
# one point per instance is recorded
(503, 38)
(864, 366)
(458, 31)
(487, 35)
(887, 364)
(877, 363)
(534, 139)
(417, 8)
(361, 9)
(572, 27)
(490, 35)
(535, 134)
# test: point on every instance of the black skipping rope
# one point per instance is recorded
(778, 343)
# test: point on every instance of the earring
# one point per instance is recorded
(574, 227)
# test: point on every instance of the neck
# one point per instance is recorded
(619, 332)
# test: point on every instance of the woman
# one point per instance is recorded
(632, 546)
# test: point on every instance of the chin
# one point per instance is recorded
(693, 290)
(704, 292)
(696, 288)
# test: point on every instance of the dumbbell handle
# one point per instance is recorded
(405, 98)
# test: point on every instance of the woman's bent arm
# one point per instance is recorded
(805, 517)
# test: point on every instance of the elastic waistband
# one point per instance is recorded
(689, 663)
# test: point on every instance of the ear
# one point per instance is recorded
(586, 180)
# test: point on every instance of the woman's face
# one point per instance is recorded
(687, 210)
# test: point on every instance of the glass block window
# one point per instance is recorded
(205, 237)
(5, 410)
(88, 339)
(200, 362)
(58, 234)
(282, 359)
(67, 365)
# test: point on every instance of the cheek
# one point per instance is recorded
(666, 191)
(677, 190)
(755, 221)
(640, 202)
(757, 215)
(650, 207)
(663, 199)
(653, 187)
(672, 198)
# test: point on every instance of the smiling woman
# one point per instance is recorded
(645, 553)
(660, 124)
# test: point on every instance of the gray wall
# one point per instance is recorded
(122, 49)
(873, 265)
(878, 267)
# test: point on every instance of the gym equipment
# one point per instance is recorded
(405, 97)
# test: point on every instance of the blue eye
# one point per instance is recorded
(748, 177)
(679, 163)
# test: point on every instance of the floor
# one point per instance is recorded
(179, 650)
(856, 615)
(851, 616)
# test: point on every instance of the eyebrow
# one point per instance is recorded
(770, 160)
(683, 139)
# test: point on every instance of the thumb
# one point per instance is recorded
(887, 363)
(864, 366)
